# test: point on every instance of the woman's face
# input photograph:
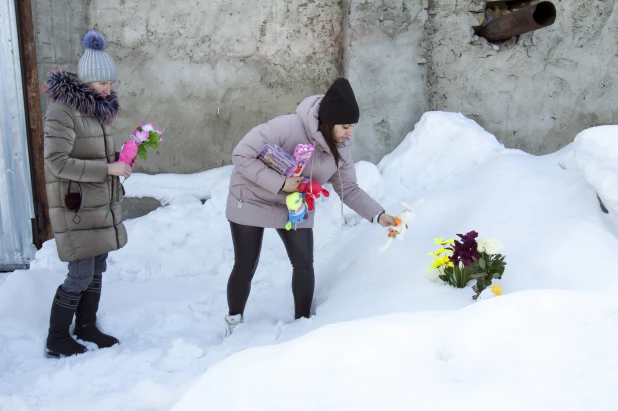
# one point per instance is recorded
(343, 131)
(104, 88)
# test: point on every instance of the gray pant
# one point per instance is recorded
(81, 273)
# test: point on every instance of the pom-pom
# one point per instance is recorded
(94, 40)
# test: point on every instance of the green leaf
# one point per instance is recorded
(448, 276)
(461, 277)
(154, 136)
(483, 283)
(141, 151)
(482, 263)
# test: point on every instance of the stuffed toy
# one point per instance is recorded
(128, 152)
(297, 209)
(312, 190)
(402, 221)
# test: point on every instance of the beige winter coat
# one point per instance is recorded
(78, 148)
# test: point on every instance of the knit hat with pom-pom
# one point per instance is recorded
(96, 64)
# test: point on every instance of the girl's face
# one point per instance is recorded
(343, 131)
(103, 88)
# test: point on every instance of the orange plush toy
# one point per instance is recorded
(312, 190)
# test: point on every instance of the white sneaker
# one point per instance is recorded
(231, 322)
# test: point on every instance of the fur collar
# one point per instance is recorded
(65, 87)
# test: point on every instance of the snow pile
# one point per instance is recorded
(441, 147)
(542, 350)
(168, 187)
(384, 336)
(596, 153)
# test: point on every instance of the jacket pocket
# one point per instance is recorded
(236, 192)
(71, 195)
(116, 190)
(90, 219)
(121, 192)
(63, 190)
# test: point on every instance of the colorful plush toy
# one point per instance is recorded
(128, 152)
(297, 209)
(401, 224)
(312, 190)
(143, 137)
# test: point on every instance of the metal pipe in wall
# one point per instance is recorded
(521, 21)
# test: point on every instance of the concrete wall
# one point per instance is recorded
(537, 92)
(58, 25)
(206, 72)
(385, 62)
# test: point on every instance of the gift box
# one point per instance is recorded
(276, 158)
(302, 155)
(288, 165)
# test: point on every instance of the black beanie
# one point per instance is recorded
(339, 104)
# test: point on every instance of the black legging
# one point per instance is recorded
(247, 245)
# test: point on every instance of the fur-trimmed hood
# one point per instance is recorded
(65, 87)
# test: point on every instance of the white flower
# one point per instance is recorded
(147, 127)
(489, 245)
(432, 275)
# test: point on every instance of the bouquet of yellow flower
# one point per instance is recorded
(459, 261)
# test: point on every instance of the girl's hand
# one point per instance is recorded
(119, 169)
(386, 220)
(291, 184)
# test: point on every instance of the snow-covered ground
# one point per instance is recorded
(384, 336)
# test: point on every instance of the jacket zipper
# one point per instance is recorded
(112, 192)
(240, 200)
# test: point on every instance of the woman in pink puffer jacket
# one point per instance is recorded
(257, 193)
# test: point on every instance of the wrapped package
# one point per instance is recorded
(302, 155)
(288, 165)
(277, 159)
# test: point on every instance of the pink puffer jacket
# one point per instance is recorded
(255, 198)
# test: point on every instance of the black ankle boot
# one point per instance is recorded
(86, 316)
(59, 341)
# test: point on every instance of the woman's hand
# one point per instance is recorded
(386, 220)
(291, 184)
(119, 169)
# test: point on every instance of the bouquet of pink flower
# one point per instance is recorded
(143, 137)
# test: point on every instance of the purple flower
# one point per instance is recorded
(466, 250)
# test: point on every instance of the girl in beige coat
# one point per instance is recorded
(83, 191)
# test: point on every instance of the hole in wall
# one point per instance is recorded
(503, 20)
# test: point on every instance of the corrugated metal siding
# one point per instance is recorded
(16, 205)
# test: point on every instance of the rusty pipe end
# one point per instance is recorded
(518, 22)
(544, 14)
